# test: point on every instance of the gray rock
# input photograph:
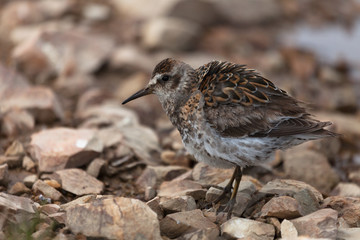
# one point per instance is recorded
(177, 204)
(242, 228)
(176, 224)
(319, 224)
(114, 218)
(78, 182)
(154, 204)
(61, 148)
(46, 190)
(320, 174)
(307, 201)
(169, 33)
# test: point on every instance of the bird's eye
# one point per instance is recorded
(165, 78)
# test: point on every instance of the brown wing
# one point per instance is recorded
(239, 102)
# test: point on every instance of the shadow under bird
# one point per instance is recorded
(230, 116)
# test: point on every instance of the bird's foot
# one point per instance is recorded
(229, 207)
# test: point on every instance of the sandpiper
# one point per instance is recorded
(229, 115)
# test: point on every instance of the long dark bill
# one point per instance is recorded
(143, 92)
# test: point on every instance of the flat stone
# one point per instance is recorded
(176, 224)
(181, 188)
(153, 176)
(49, 208)
(61, 148)
(16, 122)
(348, 208)
(154, 204)
(202, 234)
(348, 234)
(95, 167)
(4, 174)
(78, 182)
(296, 162)
(113, 218)
(346, 190)
(77, 201)
(207, 175)
(288, 187)
(307, 201)
(18, 189)
(28, 163)
(319, 224)
(283, 207)
(30, 180)
(177, 204)
(169, 33)
(46, 190)
(242, 228)
(40, 101)
(288, 230)
(60, 217)
(14, 207)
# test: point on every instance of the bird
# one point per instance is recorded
(229, 116)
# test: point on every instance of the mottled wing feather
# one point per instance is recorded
(239, 102)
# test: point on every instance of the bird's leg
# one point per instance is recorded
(230, 205)
(228, 186)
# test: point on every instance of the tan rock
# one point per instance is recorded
(320, 224)
(40, 101)
(203, 234)
(18, 189)
(77, 201)
(288, 230)
(95, 167)
(78, 182)
(46, 190)
(181, 188)
(16, 205)
(122, 215)
(346, 190)
(283, 207)
(30, 180)
(207, 175)
(59, 148)
(348, 208)
(53, 183)
(288, 187)
(49, 209)
(4, 174)
(15, 149)
(16, 122)
(296, 162)
(242, 228)
(176, 224)
(348, 234)
(28, 163)
(177, 204)
(154, 204)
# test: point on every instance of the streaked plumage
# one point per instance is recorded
(229, 115)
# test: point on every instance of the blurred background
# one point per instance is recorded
(58, 58)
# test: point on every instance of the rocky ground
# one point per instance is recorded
(76, 164)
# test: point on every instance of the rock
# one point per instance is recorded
(95, 167)
(11, 82)
(343, 98)
(122, 215)
(348, 234)
(242, 228)
(177, 204)
(27, 163)
(49, 209)
(346, 190)
(319, 224)
(60, 217)
(288, 230)
(46, 190)
(130, 57)
(4, 174)
(70, 53)
(181, 188)
(154, 204)
(175, 158)
(283, 207)
(40, 101)
(307, 201)
(30, 180)
(248, 12)
(53, 183)
(96, 12)
(202, 234)
(207, 175)
(198, 11)
(77, 201)
(16, 122)
(355, 176)
(152, 176)
(18, 189)
(169, 33)
(16, 149)
(176, 224)
(61, 148)
(296, 165)
(288, 187)
(348, 208)
(78, 182)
